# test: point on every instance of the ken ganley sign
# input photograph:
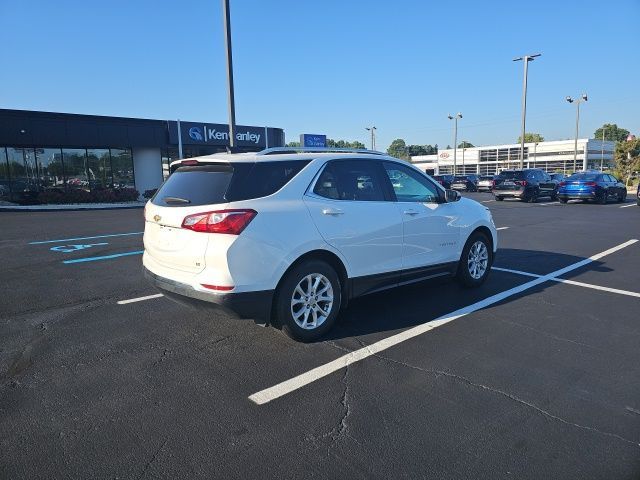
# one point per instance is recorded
(216, 134)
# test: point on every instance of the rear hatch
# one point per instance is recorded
(509, 180)
(459, 183)
(189, 190)
(579, 183)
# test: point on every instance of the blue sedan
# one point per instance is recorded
(596, 186)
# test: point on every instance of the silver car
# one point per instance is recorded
(485, 184)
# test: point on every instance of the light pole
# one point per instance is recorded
(231, 98)
(526, 59)
(455, 138)
(602, 154)
(372, 129)
(578, 101)
(535, 154)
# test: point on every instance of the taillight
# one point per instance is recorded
(562, 184)
(590, 184)
(232, 222)
(522, 183)
(189, 163)
(493, 183)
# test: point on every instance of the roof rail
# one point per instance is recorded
(283, 150)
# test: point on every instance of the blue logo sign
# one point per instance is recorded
(311, 140)
(196, 134)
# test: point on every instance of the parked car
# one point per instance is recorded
(557, 177)
(595, 186)
(528, 185)
(468, 183)
(485, 183)
(638, 195)
(444, 180)
(290, 238)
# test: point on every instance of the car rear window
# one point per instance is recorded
(225, 182)
(511, 175)
(459, 178)
(589, 177)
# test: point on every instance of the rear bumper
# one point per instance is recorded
(488, 188)
(509, 193)
(577, 195)
(254, 305)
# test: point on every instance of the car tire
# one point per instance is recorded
(499, 199)
(563, 200)
(621, 197)
(533, 197)
(290, 300)
(554, 197)
(602, 198)
(475, 261)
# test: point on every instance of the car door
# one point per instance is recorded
(351, 206)
(615, 187)
(431, 236)
(547, 186)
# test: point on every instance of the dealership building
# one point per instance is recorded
(62, 151)
(549, 156)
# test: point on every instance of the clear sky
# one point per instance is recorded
(330, 66)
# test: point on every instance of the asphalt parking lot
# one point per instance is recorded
(534, 375)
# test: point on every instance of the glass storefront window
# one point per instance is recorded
(99, 167)
(5, 186)
(122, 164)
(23, 172)
(75, 170)
(50, 167)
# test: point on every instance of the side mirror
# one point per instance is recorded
(451, 195)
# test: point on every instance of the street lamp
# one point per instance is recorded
(455, 138)
(602, 155)
(372, 129)
(226, 15)
(577, 101)
(526, 59)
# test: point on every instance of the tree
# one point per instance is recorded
(398, 149)
(421, 150)
(466, 144)
(627, 157)
(344, 144)
(292, 144)
(531, 138)
(611, 132)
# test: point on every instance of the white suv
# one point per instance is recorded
(288, 237)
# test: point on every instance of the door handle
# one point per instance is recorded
(332, 211)
(411, 212)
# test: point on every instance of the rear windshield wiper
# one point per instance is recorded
(175, 200)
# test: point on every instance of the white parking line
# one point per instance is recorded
(630, 205)
(545, 204)
(487, 201)
(295, 383)
(140, 299)
(572, 282)
(502, 228)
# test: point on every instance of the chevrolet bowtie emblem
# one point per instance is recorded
(157, 218)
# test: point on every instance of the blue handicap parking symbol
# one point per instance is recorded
(73, 248)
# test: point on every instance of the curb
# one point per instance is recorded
(65, 208)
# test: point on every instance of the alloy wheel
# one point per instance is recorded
(311, 301)
(478, 260)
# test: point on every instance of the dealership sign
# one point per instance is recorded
(216, 134)
(312, 140)
(444, 155)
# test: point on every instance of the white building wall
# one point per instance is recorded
(147, 166)
(551, 156)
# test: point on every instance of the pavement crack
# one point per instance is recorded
(541, 411)
(550, 335)
(153, 458)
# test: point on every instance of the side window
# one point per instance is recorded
(261, 178)
(410, 186)
(356, 180)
